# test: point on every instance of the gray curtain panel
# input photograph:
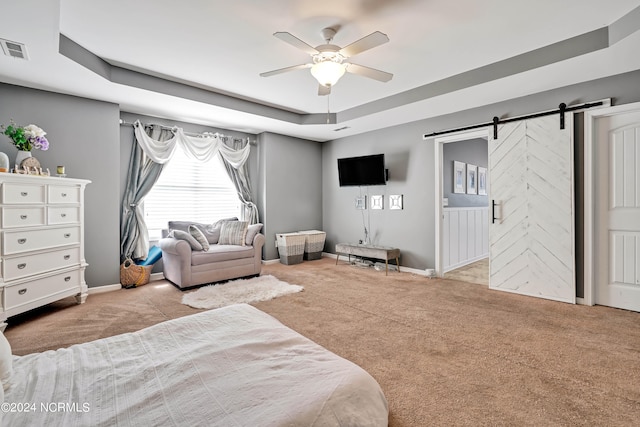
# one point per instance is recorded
(143, 174)
(240, 179)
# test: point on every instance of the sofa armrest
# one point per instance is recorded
(258, 241)
(175, 246)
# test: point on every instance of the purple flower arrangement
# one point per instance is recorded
(26, 138)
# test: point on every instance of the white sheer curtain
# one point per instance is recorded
(203, 147)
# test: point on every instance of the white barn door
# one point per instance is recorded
(617, 213)
(531, 241)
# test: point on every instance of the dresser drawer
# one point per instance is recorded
(28, 265)
(22, 216)
(13, 193)
(63, 215)
(19, 241)
(64, 194)
(17, 295)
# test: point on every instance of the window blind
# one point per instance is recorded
(190, 190)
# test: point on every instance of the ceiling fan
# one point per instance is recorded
(328, 59)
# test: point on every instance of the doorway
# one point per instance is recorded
(461, 214)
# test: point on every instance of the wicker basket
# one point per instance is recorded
(290, 247)
(313, 243)
(133, 275)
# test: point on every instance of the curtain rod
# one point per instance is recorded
(220, 135)
(562, 108)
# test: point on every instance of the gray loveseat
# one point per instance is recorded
(186, 264)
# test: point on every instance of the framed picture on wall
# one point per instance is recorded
(482, 181)
(458, 177)
(472, 179)
(377, 202)
(361, 202)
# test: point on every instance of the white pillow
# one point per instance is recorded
(199, 236)
(6, 362)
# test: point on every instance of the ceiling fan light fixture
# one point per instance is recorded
(328, 72)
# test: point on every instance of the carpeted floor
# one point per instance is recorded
(445, 352)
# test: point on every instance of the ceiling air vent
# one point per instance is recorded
(14, 49)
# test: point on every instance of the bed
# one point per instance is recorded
(233, 366)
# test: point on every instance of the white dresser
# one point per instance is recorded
(42, 238)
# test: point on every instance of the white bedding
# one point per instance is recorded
(234, 366)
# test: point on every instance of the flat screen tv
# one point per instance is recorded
(363, 170)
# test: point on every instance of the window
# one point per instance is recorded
(190, 190)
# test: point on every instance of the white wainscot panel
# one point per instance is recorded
(465, 236)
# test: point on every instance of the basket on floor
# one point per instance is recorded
(290, 247)
(133, 275)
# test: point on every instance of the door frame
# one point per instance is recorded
(590, 117)
(439, 142)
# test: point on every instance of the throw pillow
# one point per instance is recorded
(233, 233)
(219, 222)
(252, 230)
(199, 236)
(183, 235)
(6, 362)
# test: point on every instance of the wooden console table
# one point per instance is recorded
(369, 251)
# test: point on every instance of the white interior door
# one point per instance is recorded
(531, 243)
(617, 210)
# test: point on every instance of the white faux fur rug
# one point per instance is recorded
(261, 288)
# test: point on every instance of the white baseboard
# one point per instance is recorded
(156, 276)
(105, 288)
(270, 261)
(402, 269)
(109, 288)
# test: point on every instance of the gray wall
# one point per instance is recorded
(412, 230)
(410, 163)
(290, 187)
(472, 152)
(83, 136)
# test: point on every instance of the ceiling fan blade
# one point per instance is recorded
(367, 42)
(324, 90)
(284, 70)
(295, 42)
(372, 73)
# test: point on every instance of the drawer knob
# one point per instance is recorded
(67, 257)
(24, 193)
(63, 215)
(67, 235)
(66, 279)
(22, 241)
(23, 217)
(63, 194)
(22, 291)
(23, 265)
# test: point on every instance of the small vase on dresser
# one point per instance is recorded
(4, 162)
(21, 156)
(42, 235)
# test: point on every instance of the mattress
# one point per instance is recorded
(233, 366)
